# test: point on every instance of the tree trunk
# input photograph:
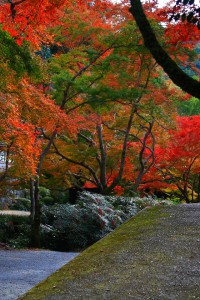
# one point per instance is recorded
(35, 224)
(32, 199)
(103, 159)
(198, 189)
(34, 191)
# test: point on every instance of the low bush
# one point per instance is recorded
(67, 227)
(47, 201)
(148, 201)
(21, 204)
(15, 230)
(44, 192)
(60, 197)
(76, 226)
(48, 197)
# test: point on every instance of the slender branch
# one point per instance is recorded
(80, 177)
(3, 176)
(84, 165)
(124, 149)
(45, 151)
(143, 162)
(12, 6)
(77, 93)
(65, 95)
(90, 141)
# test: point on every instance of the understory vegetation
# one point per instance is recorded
(67, 227)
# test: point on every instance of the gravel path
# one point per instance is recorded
(21, 270)
(15, 212)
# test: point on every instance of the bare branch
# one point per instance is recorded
(82, 164)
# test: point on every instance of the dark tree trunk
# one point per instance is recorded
(103, 160)
(32, 199)
(35, 225)
(180, 78)
(34, 191)
(198, 189)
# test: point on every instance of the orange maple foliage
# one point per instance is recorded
(27, 113)
(32, 20)
(88, 36)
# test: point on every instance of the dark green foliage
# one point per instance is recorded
(15, 230)
(21, 204)
(17, 57)
(67, 230)
(47, 201)
(66, 227)
(48, 197)
(59, 196)
(44, 192)
(189, 108)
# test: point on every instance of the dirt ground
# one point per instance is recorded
(155, 255)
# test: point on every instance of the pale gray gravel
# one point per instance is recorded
(15, 212)
(21, 270)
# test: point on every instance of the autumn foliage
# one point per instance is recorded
(83, 102)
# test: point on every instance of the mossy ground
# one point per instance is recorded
(152, 256)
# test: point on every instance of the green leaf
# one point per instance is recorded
(18, 58)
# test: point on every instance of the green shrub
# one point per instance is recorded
(21, 204)
(15, 230)
(63, 228)
(48, 197)
(148, 201)
(66, 226)
(44, 192)
(47, 201)
(60, 197)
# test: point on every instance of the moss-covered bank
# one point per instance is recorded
(155, 255)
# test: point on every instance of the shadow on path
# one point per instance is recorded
(21, 270)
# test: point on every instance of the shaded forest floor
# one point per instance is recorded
(155, 255)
